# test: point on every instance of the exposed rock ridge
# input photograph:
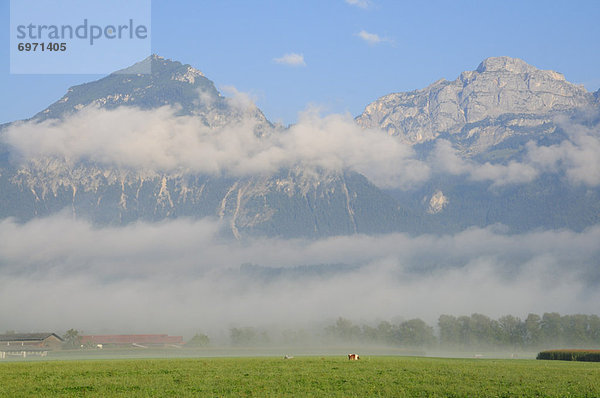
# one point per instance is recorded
(500, 87)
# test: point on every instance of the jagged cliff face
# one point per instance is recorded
(481, 108)
(292, 203)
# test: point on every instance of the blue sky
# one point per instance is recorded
(237, 43)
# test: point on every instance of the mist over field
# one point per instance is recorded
(181, 276)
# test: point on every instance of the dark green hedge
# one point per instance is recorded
(571, 355)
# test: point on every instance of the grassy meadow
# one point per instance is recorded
(301, 376)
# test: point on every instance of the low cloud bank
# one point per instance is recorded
(578, 157)
(161, 140)
(180, 276)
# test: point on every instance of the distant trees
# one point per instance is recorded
(533, 331)
(199, 340)
(551, 329)
(476, 331)
(512, 331)
(345, 330)
(411, 333)
(248, 336)
(415, 333)
(72, 338)
(465, 332)
(450, 330)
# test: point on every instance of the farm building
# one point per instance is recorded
(140, 340)
(31, 340)
(23, 344)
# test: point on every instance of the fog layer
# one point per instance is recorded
(177, 276)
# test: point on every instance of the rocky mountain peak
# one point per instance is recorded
(152, 83)
(516, 66)
(158, 67)
(501, 88)
(505, 64)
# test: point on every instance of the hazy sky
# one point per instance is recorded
(337, 54)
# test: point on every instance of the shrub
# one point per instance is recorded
(571, 355)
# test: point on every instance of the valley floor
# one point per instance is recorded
(301, 376)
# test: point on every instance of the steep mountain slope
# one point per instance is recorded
(453, 203)
(290, 203)
(494, 115)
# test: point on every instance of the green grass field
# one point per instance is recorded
(301, 376)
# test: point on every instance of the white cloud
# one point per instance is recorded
(291, 59)
(446, 159)
(359, 3)
(159, 140)
(578, 157)
(371, 38)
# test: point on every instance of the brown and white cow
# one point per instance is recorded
(353, 357)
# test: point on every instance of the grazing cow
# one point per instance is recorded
(353, 357)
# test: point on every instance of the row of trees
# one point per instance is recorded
(550, 329)
(478, 331)
(411, 333)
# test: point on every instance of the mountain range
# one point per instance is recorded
(495, 117)
(491, 115)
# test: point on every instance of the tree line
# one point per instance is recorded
(478, 331)
(466, 332)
